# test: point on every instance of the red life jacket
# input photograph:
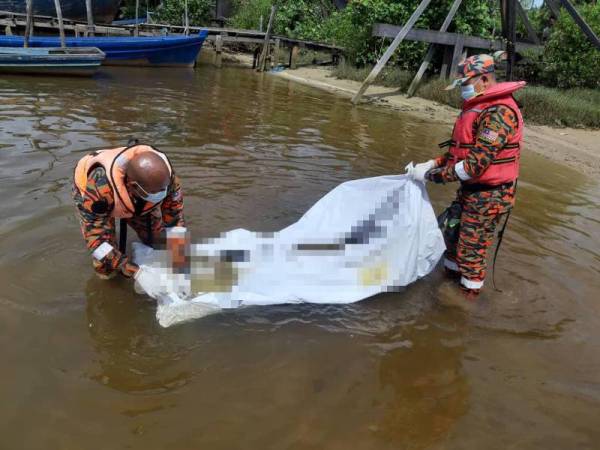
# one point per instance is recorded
(505, 165)
(115, 162)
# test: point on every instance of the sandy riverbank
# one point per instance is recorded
(577, 148)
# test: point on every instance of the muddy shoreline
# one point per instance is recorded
(576, 148)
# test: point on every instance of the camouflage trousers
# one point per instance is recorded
(482, 211)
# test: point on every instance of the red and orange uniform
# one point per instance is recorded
(484, 156)
(100, 199)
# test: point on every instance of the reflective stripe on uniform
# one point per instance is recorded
(459, 168)
(471, 284)
(102, 250)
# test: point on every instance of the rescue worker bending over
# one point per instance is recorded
(483, 155)
(134, 183)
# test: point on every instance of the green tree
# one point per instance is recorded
(570, 59)
(200, 12)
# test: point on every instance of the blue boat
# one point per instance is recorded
(50, 61)
(166, 51)
(103, 11)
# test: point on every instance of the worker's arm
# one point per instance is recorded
(172, 205)
(98, 226)
(495, 126)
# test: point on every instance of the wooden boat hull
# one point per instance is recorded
(104, 11)
(50, 61)
(160, 51)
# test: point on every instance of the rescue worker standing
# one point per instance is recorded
(135, 183)
(483, 155)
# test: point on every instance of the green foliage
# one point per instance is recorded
(351, 27)
(200, 12)
(570, 59)
(249, 12)
(550, 106)
(540, 105)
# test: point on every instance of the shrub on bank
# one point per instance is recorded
(540, 105)
(570, 59)
(551, 106)
(200, 12)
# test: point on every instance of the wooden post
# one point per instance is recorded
(255, 57)
(218, 50)
(61, 25)
(90, 17)
(136, 28)
(446, 62)
(294, 56)
(260, 23)
(554, 7)
(186, 30)
(581, 23)
(391, 49)
(530, 31)
(267, 42)
(457, 55)
(427, 60)
(275, 59)
(511, 37)
(28, 23)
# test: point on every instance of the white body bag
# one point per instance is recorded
(364, 237)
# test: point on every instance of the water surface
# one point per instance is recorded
(85, 365)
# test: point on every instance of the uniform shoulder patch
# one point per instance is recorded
(488, 135)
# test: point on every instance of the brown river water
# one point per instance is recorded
(84, 364)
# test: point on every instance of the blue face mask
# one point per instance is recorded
(155, 197)
(152, 197)
(467, 91)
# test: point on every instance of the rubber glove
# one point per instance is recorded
(418, 172)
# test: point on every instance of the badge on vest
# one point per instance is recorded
(488, 136)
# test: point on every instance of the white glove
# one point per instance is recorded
(418, 172)
(147, 282)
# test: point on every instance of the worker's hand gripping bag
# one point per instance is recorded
(364, 237)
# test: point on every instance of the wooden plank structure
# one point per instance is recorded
(509, 9)
(49, 25)
(430, 51)
(391, 49)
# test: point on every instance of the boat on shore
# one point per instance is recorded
(167, 51)
(80, 61)
(103, 11)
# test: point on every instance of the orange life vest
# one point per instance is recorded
(114, 162)
(505, 166)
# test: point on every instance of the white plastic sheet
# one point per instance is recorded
(364, 237)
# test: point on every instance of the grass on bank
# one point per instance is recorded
(541, 105)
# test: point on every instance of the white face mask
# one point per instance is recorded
(467, 91)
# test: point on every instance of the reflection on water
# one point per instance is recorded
(89, 367)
